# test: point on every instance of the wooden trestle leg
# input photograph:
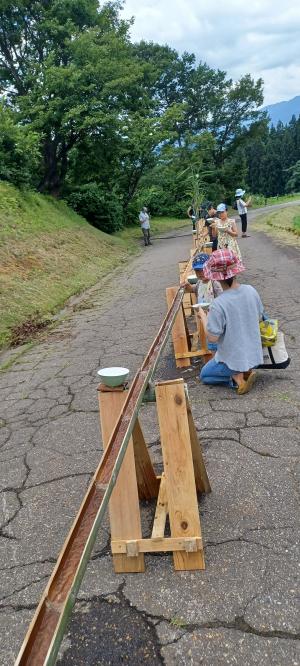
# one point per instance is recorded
(179, 470)
(124, 510)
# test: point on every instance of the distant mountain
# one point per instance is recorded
(283, 110)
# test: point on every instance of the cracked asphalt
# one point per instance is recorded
(244, 608)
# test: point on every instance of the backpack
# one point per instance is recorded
(235, 206)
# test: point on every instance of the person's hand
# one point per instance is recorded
(187, 286)
(203, 318)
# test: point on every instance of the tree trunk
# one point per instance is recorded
(55, 166)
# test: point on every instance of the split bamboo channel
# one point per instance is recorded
(45, 633)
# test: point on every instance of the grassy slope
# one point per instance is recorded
(48, 253)
(259, 200)
(283, 224)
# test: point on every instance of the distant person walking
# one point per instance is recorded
(144, 219)
(241, 206)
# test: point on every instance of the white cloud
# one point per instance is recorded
(260, 37)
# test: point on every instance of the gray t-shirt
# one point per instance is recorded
(234, 317)
(144, 220)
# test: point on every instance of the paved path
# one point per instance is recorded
(243, 608)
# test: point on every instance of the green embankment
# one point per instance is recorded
(259, 200)
(48, 253)
(283, 224)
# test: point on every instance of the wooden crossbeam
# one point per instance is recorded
(191, 354)
(134, 547)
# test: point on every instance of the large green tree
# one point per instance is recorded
(67, 66)
(115, 118)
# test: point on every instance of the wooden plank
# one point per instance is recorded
(179, 470)
(201, 478)
(157, 545)
(178, 331)
(201, 326)
(182, 266)
(171, 381)
(161, 512)
(190, 354)
(148, 484)
(124, 510)
(188, 269)
(201, 319)
(194, 341)
(186, 303)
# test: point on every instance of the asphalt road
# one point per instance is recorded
(244, 608)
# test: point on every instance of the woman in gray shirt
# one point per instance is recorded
(233, 322)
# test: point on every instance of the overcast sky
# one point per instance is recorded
(260, 37)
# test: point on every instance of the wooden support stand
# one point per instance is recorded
(187, 299)
(176, 490)
(186, 344)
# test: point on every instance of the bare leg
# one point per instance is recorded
(239, 378)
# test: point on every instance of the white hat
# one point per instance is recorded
(239, 192)
(221, 208)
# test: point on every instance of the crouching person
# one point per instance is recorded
(206, 290)
(232, 323)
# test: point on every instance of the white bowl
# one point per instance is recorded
(113, 376)
(192, 279)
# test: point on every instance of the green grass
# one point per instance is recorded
(283, 224)
(258, 200)
(48, 253)
(296, 224)
(158, 225)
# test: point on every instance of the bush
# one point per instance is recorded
(101, 208)
(19, 150)
(160, 202)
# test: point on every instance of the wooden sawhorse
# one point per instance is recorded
(176, 489)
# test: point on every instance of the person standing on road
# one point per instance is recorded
(241, 206)
(144, 219)
(209, 217)
(226, 230)
(192, 215)
(232, 323)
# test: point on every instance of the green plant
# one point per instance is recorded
(178, 622)
(101, 208)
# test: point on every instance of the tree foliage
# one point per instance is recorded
(113, 122)
(272, 158)
(19, 150)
